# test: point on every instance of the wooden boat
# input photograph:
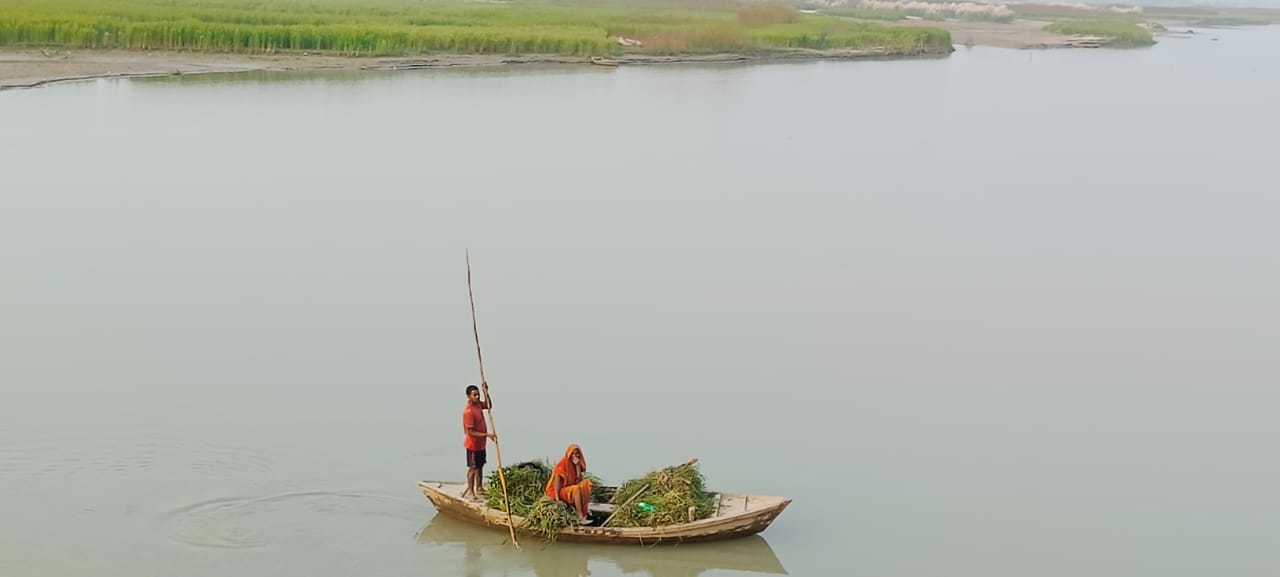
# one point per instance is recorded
(489, 551)
(733, 516)
(598, 61)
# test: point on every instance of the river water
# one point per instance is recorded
(1006, 313)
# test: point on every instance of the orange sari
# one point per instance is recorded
(572, 485)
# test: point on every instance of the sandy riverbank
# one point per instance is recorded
(33, 68)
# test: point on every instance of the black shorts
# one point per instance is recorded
(475, 459)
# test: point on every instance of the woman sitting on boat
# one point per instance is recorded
(568, 485)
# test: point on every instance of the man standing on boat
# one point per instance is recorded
(477, 435)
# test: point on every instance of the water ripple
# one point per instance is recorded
(63, 455)
(248, 522)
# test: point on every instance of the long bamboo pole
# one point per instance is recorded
(484, 384)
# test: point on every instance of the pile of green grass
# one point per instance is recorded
(547, 518)
(667, 496)
(526, 483)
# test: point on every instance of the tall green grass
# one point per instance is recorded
(385, 27)
(826, 33)
(1123, 33)
(401, 27)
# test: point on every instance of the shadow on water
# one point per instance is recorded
(488, 552)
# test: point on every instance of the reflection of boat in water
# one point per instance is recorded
(733, 516)
(492, 552)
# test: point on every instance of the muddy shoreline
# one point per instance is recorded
(32, 68)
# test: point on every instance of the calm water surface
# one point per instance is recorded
(1010, 313)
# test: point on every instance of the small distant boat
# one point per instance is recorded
(732, 516)
(598, 61)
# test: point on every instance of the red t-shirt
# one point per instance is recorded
(473, 418)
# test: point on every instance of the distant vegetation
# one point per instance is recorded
(927, 10)
(1121, 33)
(1207, 16)
(1211, 21)
(867, 14)
(403, 27)
(1192, 15)
(1077, 12)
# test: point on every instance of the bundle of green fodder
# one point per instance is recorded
(547, 518)
(666, 498)
(525, 483)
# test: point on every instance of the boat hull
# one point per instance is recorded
(736, 516)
